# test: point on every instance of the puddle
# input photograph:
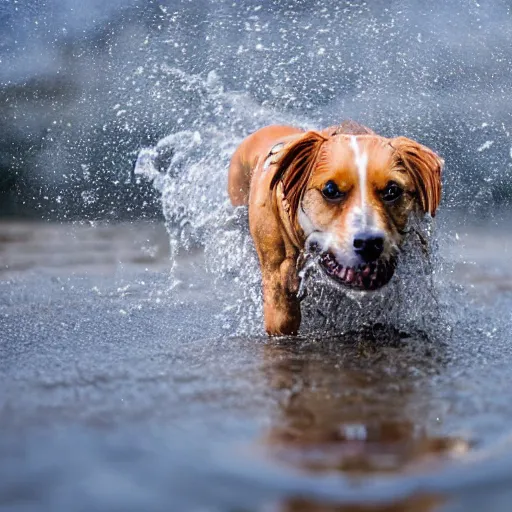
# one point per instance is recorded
(126, 386)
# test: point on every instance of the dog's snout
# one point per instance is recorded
(368, 246)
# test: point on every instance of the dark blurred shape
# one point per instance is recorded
(342, 410)
(85, 84)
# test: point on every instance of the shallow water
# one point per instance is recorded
(126, 388)
(134, 373)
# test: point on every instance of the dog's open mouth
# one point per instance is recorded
(370, 276)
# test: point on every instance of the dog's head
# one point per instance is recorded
(352, 196)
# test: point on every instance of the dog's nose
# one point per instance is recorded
(368, 246)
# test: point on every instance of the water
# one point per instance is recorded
(124, 386)
(188, 168)
(383, 384)
(134, 371)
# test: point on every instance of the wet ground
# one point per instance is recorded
(122, 390)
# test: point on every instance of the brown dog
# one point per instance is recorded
(344, 192)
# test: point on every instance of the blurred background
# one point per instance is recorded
(85, 84)
(125, 382)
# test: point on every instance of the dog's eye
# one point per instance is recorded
(331, 191)
(392, 192)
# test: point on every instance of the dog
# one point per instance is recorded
(343, 193)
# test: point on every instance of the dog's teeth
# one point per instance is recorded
(368, 276)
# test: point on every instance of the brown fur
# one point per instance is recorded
(275, 187)
(295, 167)
(424, 167)
(245, 159)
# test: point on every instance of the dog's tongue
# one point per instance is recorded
(350, 275)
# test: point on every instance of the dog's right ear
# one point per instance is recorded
(295, 166)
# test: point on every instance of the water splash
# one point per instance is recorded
(189, 169)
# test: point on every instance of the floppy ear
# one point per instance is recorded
(294, 168)
(424, 167)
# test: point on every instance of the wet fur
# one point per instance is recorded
(277, 189)
(294, 170)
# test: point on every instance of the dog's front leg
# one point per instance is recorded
(281, 307)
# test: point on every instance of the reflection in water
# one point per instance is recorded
(358, 409)
(422, 504)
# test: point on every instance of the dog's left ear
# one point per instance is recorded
(424, 167)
